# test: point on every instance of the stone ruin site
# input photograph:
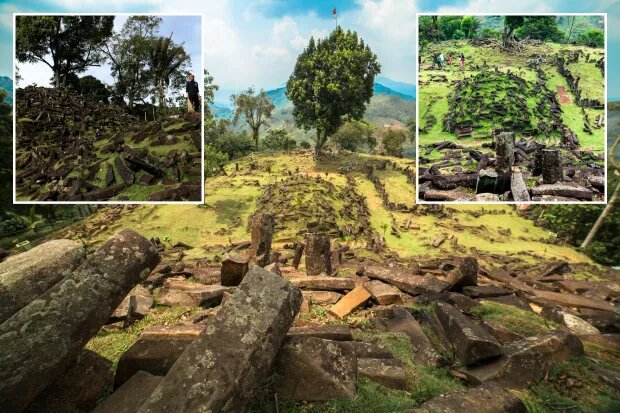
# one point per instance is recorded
(309, 280)
(523, 124)
(308, 287)
(72, 149)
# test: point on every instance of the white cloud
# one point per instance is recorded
(500, 7)
(269, 52)
(285, 26)
(395, 18)
(6, 16)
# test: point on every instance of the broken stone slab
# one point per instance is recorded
(573, 300)
(563, 190)
(129, 397)
(79, 388)
(383, 293)
(123, 170)
(234, 268)
(65, 317)
(487, 197)
(154, 355)
(319, 282)
(138, 308)
(262, 234)
(462, 302)
(552, 167)
(465, 273)
(399, 320)
(526, 361)
(485, 291)
(575, 324)
(174, 331)
(321, 297)
(212, 374)
(335, 332)
(519, 188)
(471, 343)
(372, 350)
(318, 253)
(487, 398)
(387, 372)
(405, 280)
(190, 294)
(314, 369)
(501, 333)
(452, 195)
(350, 302)
(25, 276)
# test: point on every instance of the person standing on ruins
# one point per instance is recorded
(451, 59)
(192, 92)
(462, 61)
(440, 59)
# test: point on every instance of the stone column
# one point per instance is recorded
(25, 276)
(43, 338)
(221, 370)
(551, 166)
(262, 234)
(504, 159)
(318, 255)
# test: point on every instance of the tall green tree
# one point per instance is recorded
(593, 38)
(67, 44)
(128, 52)
(93, 89)
(543, 28)
(470, 26)
(166, 59)
(511, 23)
(333, 79)
(255, 108)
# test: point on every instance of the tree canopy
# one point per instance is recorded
(166, 61)
(67, 44)
(332, 80)
(255, 108)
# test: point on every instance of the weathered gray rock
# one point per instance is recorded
(78, 389)
(405, 280)
(314, 369)
(399, 320)
(215, 375)
(44, 337)
(182, 292)
(383, 293)
(372, 350)
(568, 190)
(551, 166)
(25, 276)
(488, 398)
(388, 372)
(505, 158)
(485, 291)
(471, 342)
(318, 253)
(519, 188)
(154, 355)
(337, 332)
(262, 234)
(465, 273)
(321, 282)
(322, 297)
(234, 268)
(527, 361)
(129, 397)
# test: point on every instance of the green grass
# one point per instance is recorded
(555, 395)
(515, 319)
(112, 343)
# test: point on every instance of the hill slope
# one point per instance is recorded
(231, 200)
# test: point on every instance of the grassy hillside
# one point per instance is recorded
(231, 200)
(437, 88)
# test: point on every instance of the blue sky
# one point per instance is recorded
(256, 42)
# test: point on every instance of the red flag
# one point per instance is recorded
(334, 12)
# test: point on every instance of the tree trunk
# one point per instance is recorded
(57, 78)
(599, 222)
(255, 136)
(162, 93)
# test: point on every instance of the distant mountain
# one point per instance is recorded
(6, 83)
(278, 96)
(401, 87)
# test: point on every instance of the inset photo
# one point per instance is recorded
(108, 108)
(511, 109)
